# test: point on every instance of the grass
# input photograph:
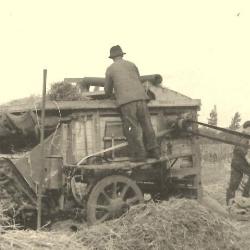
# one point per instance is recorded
(215, 178)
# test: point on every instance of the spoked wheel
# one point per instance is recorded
(111, 197)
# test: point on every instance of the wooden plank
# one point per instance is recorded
(154, 120)
(196, 157)
(108, 138)
(90, 134)
(181, 145)
(176, 147)
(73, 137)
(93, 132)
(80, 146)
(64, 142)
(183, 172)
(94, 104)
(70, 146)
(160, 121)
(166, 95)
(83, 136)
(85, 131)
(97, 131)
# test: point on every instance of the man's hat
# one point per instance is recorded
(116, 51)
(246, 124)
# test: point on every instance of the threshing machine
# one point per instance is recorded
(87, 169)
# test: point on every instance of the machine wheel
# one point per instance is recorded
(111, 197)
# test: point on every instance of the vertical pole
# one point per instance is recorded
(40, 186)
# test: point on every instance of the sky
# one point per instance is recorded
(200, 47)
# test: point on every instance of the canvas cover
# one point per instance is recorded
(24, 124)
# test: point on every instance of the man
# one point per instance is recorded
(123, 77)
(239, 167)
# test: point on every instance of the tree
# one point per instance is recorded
(235, 122)
(62, 91)
(212, 120)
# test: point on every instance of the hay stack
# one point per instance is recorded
(177, 224)
(240, 208)
(24, 240)
(4, 219)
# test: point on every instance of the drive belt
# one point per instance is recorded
(232, 132)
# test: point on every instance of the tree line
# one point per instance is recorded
(235, 121)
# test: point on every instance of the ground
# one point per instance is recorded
(215, 176)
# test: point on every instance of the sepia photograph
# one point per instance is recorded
(125, 125)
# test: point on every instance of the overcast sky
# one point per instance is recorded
(201, 48)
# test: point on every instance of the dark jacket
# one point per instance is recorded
(239, 154)
(123, 76)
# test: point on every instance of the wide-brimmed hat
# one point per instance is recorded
(116, 51)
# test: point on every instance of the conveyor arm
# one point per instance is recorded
(236, 137)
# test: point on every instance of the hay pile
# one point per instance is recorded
(177, 224)
(25, 240)
(4, 219)
(217, 191)
(240, 208)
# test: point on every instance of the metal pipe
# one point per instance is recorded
(41, 181)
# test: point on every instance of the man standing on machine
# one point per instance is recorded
(123, 77)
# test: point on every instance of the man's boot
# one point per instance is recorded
(246, 188)
(245, 193)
